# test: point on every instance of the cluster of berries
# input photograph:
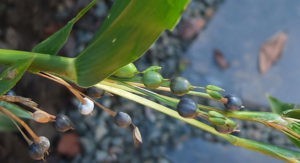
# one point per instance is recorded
(187, 107)
(152, 79)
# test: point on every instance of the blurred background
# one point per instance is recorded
(250, 48)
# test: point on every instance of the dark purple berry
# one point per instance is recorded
(63, 123)
(180, 86)
(36, 151)
(122, 119)
(187, 108)
(233, 103)
(94, 92)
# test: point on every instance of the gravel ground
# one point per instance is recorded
(100, 139)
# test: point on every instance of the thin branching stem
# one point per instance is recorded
(21, 122)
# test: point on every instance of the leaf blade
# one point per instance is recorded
(278, 106)
(120, 41)
(7, 124)
(17, 110)
(12, 74)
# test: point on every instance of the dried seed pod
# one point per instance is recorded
(86, 108)
(122, 119)
(63, 123)
(180, 86)
(42, 117)
(187, 108)
(152, 79)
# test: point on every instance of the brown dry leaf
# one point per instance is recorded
(136, 135)
(220, 59)
(271, 51)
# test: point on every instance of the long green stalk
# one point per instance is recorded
(274, 151)
(61, 66)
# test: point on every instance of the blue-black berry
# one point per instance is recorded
(122, 119)
(180, 86)
(233, 103)
(63, 123)
(36, 151)
(187, 108)
(95, 93)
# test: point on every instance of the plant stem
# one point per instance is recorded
(61, 66)
(274, 151)
(262, 117)
(21, 122)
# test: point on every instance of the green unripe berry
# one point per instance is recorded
(152, 79)
(180, 86)
(127, 71)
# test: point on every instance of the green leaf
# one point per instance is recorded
(292, 113)
(57, 40)
(17, 110)
(278, 106)
(153, 68)
(130, 29)
(6, 124)
(295, 141)
(12, 74)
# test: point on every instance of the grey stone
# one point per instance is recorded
(203, 151)
(238, 29)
